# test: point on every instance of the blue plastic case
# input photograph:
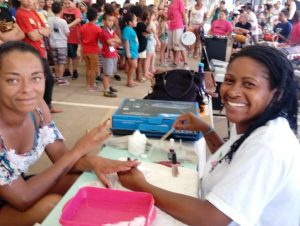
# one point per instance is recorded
(154, 118)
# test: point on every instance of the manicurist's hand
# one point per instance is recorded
(92, 139)
(103, 166)
(190, 121)
(133, 179)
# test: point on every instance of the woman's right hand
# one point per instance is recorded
(190, 121)
(92, 139)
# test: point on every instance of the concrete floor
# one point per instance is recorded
(84, 110)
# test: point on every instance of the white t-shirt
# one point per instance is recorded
(59, 31)
(292, 9)
(197, 16)
(252, 19)
(276, 12)
(261, 185)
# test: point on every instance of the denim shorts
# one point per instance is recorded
(72, 50)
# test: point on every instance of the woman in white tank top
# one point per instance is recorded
(197, 16)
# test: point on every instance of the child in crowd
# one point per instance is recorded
(163, 37)
(141, 31)
(39, 7)
(109, 9)
(110, 41)
(151, 44)
(83, 9)
(73, 17)
(117, 8)
(90, 35)
(98, 23)
(130, 47)
(284, 27)
(48, 8)
(58, 42)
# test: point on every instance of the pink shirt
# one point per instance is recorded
(175, 11)
(221, 27)
(295, 34)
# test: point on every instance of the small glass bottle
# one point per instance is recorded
(180, 152)
(171, 149)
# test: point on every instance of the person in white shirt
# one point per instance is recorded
(252, 19)
(197, 15)
(276, 10)
(237, 6)
(59, 42)
(292, 7)
(253, 178)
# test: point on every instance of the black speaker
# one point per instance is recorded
(216, 47)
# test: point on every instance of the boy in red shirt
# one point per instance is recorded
(73, 17)
(90, 35)
(110, 41)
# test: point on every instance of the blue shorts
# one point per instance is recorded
(72, 50)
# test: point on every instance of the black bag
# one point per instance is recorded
(178, 85)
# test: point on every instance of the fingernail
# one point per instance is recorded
(106, 185)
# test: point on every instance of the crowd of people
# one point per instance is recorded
(112, 37)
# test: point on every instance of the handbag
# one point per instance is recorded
(6, 25)
(178, 85)
(239, 38)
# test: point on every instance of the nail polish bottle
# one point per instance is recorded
(174, 165)
(171, 149)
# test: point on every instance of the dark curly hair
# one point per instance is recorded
(128, 17)
(281, 77)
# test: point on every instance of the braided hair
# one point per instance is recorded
(281, 77)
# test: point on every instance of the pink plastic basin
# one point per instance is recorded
(93, 206)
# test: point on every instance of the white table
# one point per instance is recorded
(188, 176)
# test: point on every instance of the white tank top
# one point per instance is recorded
(196, 16)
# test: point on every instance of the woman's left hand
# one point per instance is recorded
(133, 179)
(103, 166)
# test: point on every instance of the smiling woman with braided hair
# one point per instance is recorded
(252, 179)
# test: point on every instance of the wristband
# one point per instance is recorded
(209, 130)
